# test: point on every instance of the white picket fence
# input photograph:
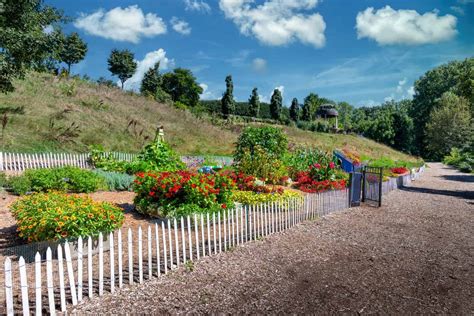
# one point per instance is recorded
(89, 267)
(18, 162)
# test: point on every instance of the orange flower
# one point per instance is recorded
(58, 229)
(90, 215)
(64, 234)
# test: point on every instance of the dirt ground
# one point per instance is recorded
(413, 255)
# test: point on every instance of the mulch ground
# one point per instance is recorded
(412, 255)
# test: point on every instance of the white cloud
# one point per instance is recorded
(457, 10)
(401, 84)
(388, 26)
(146, 63)
(277, 22)
(128, 24)
(206, 94)
(48, 29)
(411, 91)
(259, 64)
(197, 5)
(180, 26)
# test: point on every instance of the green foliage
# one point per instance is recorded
(310, 106)
(276, 104)
(3, 180)
(151, 81)
(69, 88)
(173, 194)
(122, 64)
(67, 179)
(102, 81)
(295, 110)
(182, 86)
(449, 126)
(74, 50)
(253, 198)
(254, 103)
(463, 160)
(116, 181)
(227, 102)
(301, 158)
(55, 216)
(19, 185)
(23, 41)
(345, 115)
(262, 165)
(456, 77)
(271, 139)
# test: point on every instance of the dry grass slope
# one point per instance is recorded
(121, 122)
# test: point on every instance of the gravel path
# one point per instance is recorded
(413, 255)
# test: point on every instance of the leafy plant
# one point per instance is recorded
(54, 216)
(270, 139)
(262, 165)
(252, 198)
(116, 181)
(170, 194)
(301, 158)
(19, 185)
(67, 179)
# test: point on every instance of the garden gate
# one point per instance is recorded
(372, 178)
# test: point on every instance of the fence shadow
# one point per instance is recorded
(468, 195)
(459, 177)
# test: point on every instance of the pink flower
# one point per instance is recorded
(317, 166)
(331, 165)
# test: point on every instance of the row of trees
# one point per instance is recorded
(31, 38)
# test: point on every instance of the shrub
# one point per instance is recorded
(463, 160)
(116, 181)
(3, 180)
(54, 216)
(262, 165)
(272, 140)
(68, 179)
(301, 158)
(19, 185)
(252, 198)
(171, 194)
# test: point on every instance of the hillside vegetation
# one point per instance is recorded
(70, 115)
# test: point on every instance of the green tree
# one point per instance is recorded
(295, 110)
(73, 51)
(254, 103)
(456, 76)
(227, 102)
(182, 86)
(151, 81)
(23, 42)
(449, 126)
(122, 64)
(276, 104)
(345, 115)
(403, 127)
(312, 103)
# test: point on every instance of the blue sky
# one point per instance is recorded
(359, 51)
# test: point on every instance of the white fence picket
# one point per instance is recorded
(112, 262)
(190, 242)
(165, 255)
(25, 302)
(140, 255)
(101, 264)
(219, 230)
(183, 239)
(130, 257)
(119, 257)
(38, 296)
(158, 254)
(196, 235)
(150, 255)
(208, 235)
(214, 231)
(202, 235)
(90, 284)
(49, 282)
(62, 293)
(176, 241)
(70, 272)
(170, 242)
(80, 287)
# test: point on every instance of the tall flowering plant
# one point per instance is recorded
(170, 194)
(319, 178)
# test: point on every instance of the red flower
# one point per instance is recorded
(152, 193)
(331, 165)
(224, 205)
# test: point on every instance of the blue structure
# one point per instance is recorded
(346, 164)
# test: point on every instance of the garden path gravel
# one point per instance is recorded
(412, 255)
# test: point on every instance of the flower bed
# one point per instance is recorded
(54, 216)
(320, 178)
(171, 194)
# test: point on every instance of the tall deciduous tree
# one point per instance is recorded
(151, 81)
(227, 102)
(182, 86)
(276, 104)
(295, 110)
(73, 51)
(456, 76)
(23, 42)
(254, 103)
(312, 102)
(449, 126)
(344, 110)
(122, 64)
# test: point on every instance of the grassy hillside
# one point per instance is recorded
(70, 115)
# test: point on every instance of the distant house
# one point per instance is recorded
(327, 111)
